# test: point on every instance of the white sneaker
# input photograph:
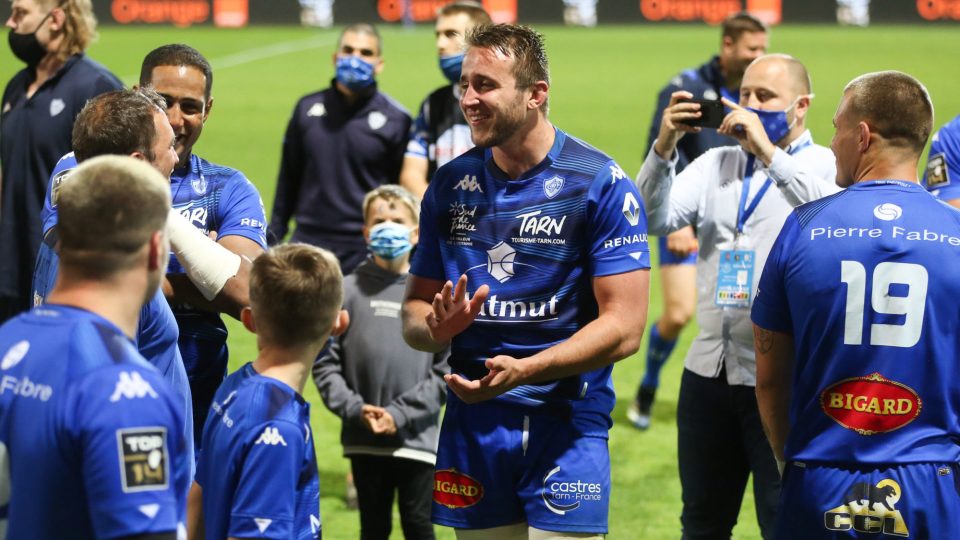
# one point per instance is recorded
(639, 421)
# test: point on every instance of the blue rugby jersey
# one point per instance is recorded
(258, 468)
(92, 434)
(537, 241)
(942, 176)
(157, 333)
(863, 280)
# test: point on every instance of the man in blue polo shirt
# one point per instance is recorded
(855, 327)
(205, 281)
(91, 435)
(257, 473)
(39, 106)
(340, 144)
(549, 236)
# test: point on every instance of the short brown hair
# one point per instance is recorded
(895, 105)
(362, 29)
(522, 43)
(391, 192)
(473, 10)
(119, 122)
(108, 212)
(296, 292)
(737, 24)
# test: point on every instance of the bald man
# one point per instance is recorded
(737, 198)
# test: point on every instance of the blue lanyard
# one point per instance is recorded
(743, 211)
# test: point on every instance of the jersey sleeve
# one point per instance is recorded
(617, 224)
(48, 216)
(419, 143)
(426, 261)
(943, 163)
(771, 307)
(264, 505)
(129, 437)
(241, 211)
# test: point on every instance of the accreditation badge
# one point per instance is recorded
(735, 278)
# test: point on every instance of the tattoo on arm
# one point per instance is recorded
(763, 339)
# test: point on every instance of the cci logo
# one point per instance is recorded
(869, 509)
(887, 212)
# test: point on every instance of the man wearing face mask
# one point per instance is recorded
(737, 197)
(341, 143)
(440, 132)
(387, 394)
(39, 106)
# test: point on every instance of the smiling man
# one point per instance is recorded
(545, 238)
(213, 198)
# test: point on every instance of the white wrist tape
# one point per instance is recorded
(208, 264)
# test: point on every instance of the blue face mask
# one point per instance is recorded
(775, 122)
(450, 66)
(389, 240)
(354, 73)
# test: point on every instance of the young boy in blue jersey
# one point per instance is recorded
(91, 435)
(545, 238)
(387, 394)
(257, 471)
(856, 326)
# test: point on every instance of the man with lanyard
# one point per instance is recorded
(440, 133)
(737, 198)
(856, 335)
(205, 279)
(744, 39)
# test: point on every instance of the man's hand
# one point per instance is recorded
(454, 310)
(378, 420)
(682, 242)
(746, 128)
(671, 126)
(504, 374)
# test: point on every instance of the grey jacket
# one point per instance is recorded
(371, 364)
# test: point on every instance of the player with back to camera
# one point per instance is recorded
(856, 334)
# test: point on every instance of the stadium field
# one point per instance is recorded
(604, 86)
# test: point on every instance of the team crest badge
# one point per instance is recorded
(199, 185)
(937, 173)
(57, 106)
(377, 120)
(552, 186)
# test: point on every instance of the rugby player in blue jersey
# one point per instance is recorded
(257, 472)
(856, 326)
(944, 161)
(90, 433)
(533, 265)
(203, 281)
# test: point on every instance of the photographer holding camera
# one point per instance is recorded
(725, 194)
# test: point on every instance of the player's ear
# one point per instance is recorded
(207, 107)
(863, 137)
(415, 235)
(538, 95)
(157, 250)
(246, 317)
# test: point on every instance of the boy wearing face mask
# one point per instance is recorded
(340, 143)
(387, 394)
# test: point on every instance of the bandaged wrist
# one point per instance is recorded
(208, 264)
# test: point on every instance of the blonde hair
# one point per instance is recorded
(80, 27)
(389, 193)
(296, 292)
(108, 211)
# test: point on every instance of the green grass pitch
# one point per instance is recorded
(604, 86)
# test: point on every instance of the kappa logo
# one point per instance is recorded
(552, 186)
(468, 183)
(56, 107)
(887, 212)
(317, 110)
(15, 354)
(376, 120)
(500, 261)
(616, 173)
(271, 436)
(631, 209)
(869, 509)
(131, 386)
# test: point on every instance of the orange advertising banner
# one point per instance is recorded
(501, 11)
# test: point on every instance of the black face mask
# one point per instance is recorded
(27, 47)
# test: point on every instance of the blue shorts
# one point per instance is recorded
(499, 464)
(667, 258)
(919, 500)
